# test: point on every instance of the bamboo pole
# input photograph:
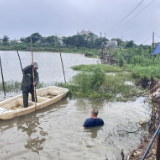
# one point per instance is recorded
(2, 78)
(33, 75)
(62, 65)
(20, 62)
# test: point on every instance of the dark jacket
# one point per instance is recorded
(27, 80)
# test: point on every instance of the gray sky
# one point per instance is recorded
(21, 18)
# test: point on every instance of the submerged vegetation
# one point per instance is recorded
(15, 86)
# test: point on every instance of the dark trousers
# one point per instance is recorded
(25, 96)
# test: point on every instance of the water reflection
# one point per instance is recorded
(94, 131)
(35, 133)
(83, 104)
(35, 144)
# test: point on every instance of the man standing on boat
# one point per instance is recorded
(27, 85)
(94, 121)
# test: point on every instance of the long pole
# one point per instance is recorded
(33, 75)
(62, 65)
(150, 144)
(158, 137)
(153, 40)
(20, 62)
(2, 77)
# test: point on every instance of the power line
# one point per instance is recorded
(135, 15)
(126, 16)
(157, 35)
(146, 40)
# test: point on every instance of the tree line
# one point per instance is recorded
(86, 40)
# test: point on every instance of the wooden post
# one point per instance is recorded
(62, 65)
(2, 78)
(35, 100)
(20, 62)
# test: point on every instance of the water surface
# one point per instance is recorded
(56, 131)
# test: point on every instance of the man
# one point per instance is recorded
(94, 121)
(27, 85)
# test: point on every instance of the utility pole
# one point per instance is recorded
(153, 40)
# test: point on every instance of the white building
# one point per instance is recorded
(58, 35)
(84, 32)
(112, 44)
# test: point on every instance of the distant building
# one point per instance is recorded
(112, 44)
(15, 41)
(58, 35)
(60, 39)
(84, 32)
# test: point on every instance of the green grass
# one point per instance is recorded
(15, 86)
(110, 88)
(141, 72)
(91, 67)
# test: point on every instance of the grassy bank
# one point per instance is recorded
(114, 87)
(21, 47)
(95, 83)
(92, 67)
(15, 86)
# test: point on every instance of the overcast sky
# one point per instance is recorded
(21, 18)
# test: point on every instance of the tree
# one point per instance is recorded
(76, 40)
(36, 37)
(91, 37)
(98, 42)
(129, 44)
(25, 40)
(5, 40)
(120, 60)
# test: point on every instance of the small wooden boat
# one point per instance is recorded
(13, 107)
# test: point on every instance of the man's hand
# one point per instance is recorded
(34, 83)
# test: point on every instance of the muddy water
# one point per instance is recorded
(50, 67)
(56, 131)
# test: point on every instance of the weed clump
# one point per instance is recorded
(97, 84)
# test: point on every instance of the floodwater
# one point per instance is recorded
(50, 66)
(55, 132)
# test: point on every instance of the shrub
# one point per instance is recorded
(97, 78)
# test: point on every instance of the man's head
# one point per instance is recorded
(94, 112)
(35, 65)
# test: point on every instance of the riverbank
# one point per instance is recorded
(80, 50)
(152, 126)
(138, 152)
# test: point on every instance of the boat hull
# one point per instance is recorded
(13, 107)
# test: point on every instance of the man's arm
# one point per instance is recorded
(85, 124)
(25, 70)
